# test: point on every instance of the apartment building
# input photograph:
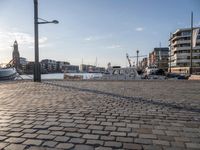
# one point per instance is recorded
(180, 47)
(159, 58)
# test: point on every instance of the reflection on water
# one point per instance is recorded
(61, 75)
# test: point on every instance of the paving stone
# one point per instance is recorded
(113, 144)
(2, 138)
(132, 146)
(15, 134)
(84, 131)
(95, 127)
(43, 132)
(29, 131)
(121, 129)
(181, 139)
(159, 132)
(82, 126)
(56, 128)
(143, 141)
(124, 139)
(15, 140)
(15, 147)
(107, 138)
(68, 124)
(83, 147)
(106, 123)
(49, 144)
(132, 134)
(90, 136)
(193, 145)
(100, 132)
(147, 136)
(45, 137)
(33, 142)
(161, 142)
(118, 133)
(65, 145)
(29, 135)
(172, 133)
(133, 125)
(119, 124)
(41, 127)
(152, 147)
(110, 128)
(61, 139)
(77, 140)
(178, 144)
(57, 133)
(95, 142)
(103, 148)
(3, 145)
(93, 122)
(73, 134)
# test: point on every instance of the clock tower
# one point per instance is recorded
(15, 55)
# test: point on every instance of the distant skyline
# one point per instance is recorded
(90, 29)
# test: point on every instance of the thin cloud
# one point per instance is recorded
(23, 39)
(98, 37)
(114, 46)
(139, 29)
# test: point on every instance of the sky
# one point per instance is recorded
(90, 30)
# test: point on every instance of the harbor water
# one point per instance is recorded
(61, 75)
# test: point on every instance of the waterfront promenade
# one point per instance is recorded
(98, 115)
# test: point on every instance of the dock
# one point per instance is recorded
(100, 115)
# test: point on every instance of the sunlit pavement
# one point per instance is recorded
(99, 115)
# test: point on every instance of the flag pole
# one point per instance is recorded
(191, 44)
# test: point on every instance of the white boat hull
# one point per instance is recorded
(7, 73)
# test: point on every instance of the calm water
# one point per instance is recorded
(61, 75)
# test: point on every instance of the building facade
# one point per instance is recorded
(48, 65)
(71, 69)
(159, 58)
(180, 49)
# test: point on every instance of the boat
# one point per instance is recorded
(8, 73)
(118, 73)
(151, 70)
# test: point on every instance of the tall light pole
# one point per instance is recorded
(191, 43)
(37, 68)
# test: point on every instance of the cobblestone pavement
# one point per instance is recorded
(39, 116)
(182, 93)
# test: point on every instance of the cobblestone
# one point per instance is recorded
(89, 115)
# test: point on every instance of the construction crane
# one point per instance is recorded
(129, 61)
(137, 56)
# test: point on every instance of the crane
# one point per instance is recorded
(137, 56)
(129, 61)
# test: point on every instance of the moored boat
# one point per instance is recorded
(8, 73)
(118, 73)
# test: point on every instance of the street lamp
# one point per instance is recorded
(37, 71)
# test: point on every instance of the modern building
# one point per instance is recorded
(16, 56)
(29, 67)
(143, 63)
(23, 63)
(71, 69)
(180, 49)
(159, 57)
(48, 65)
(61, 65)
(91, 69)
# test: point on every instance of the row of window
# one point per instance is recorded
(186, 51)
(188, 64)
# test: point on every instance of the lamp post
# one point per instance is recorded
(37, 71)
(191, 43)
